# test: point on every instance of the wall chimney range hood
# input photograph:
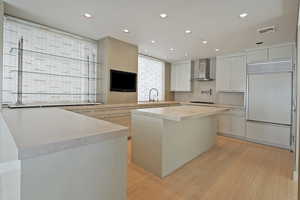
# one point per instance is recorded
(204, 69)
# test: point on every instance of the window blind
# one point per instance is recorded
(57, 67)
(151, 74)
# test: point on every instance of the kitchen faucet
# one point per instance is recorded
(150, 91)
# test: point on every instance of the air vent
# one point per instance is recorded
(269, 29)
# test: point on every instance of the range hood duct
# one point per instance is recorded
(204, 69)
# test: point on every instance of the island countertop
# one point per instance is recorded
(178, 113)
(39, 131)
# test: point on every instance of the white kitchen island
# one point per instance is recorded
(164, 139)
(53, 154)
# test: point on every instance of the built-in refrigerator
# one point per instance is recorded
(269, 103)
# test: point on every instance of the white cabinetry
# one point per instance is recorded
(271, 134)
(231, 73)
(281, 52)
(273, 53)
(257, 55)
(232, 123)
(181, 76)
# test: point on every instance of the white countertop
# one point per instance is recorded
(39, 131)
(178, 113)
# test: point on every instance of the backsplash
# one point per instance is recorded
(201, 92)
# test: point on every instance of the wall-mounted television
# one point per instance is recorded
(123, 81)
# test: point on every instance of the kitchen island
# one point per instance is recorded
(53, 154)
(164, 139)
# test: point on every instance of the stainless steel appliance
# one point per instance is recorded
(204, 69)
(269, 103)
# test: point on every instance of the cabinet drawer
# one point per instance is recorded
(272, 134)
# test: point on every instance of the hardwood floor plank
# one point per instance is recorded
(231, 170)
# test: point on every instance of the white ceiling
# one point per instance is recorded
(216, 21)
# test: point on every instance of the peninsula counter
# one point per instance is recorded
(53, 154)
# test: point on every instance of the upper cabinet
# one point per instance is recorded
(281, 52)
(231, 69)
(181, 76)
(231, 73)
(273, 53)
(257, 55)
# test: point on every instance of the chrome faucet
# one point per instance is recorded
(150, 91)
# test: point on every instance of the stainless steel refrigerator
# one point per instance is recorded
(269, 103)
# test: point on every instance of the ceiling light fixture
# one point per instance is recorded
(186, 54)
(152, 41)
(87, 15)
(126, 31)
(243, 15)
(163, 15)
(172, 49)
(188, 31)
(217, 49)
(204, 42)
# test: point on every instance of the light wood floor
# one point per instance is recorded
(232, 170)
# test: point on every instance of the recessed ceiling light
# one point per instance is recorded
(152, 41)
(87, 15)
(163, 15)
(188, 31)
(204, 42)
(243, 15)
(125, 30)
(172, 49)
(217, 49)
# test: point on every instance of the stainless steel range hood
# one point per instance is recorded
(204, 69)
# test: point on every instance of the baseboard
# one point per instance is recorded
(231, 136)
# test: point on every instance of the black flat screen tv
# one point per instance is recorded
(122, 81)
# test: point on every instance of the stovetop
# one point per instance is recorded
(204, 102)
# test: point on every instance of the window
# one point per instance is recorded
(50, 66)
(151, 74)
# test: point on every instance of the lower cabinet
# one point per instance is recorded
(271, 134)
(232, 123)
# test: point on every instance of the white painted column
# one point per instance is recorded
(296, 170)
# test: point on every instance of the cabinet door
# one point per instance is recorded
(224, 124)
(281, 52)
(259, 55)
(173, 77)
(185, 77)
(238, 126)
(238, 74)
(181, 76)
(223, 74)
